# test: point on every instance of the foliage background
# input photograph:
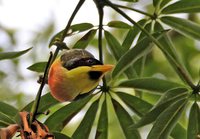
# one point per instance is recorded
(13, 79)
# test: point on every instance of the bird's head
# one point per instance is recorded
(78, 58)
(75, 72)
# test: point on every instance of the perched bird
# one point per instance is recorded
(74, 73)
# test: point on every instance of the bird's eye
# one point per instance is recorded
(90, 61)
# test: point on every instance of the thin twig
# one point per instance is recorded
(38, 96)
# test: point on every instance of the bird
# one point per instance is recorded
(74, 73)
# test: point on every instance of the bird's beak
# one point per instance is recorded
(102, 68)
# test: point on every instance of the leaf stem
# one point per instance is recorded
(135, 10)
(181, 70)
(35, 106)
(101, 15)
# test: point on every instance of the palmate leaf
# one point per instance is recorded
(115, 47)
(125, 121)
(130, 0)
(131, 35)
(7, 114)
(102, 127)
(11, 55)
(5, 120)
(117, 51)
(170, 97)
(183, 6)
(166, 41)
(154, 85)
(59, 135)
(76, 28)
(142, 48)
(160, 3)
(61, 117)
(81, 27)
(84, 129)
(147, 27)
(85, 40)
(183, 26)
(131, 56)
(46, 102)
(8, 109)
(3, 124)
(119, 24)
(193, 129)
(140, 63)
(174, 93)
(132, 71)
(142, 107)
(38, 67)
(167, 45)
(136, 104)
(179, 132)
(167, 120)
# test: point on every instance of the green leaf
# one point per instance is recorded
(193, 129)
(146, 27)
(81, 27)
(130, 0)
(4, 124)
(156, 2)
(76, 28)
(172, 94)
(61, 117)
(6, 119)
(84, 129)
(58, 135)
(164, 2)
(182, 6)
(160, 3)
(183, 26)
(131, 56)
(11, 55)
(136, 104)
(38, 67)
(179, 132)
(125, 121)
(166, 121)
(8, 109)
(85, 40)
(166, 41)
(117, 50)
(102, 127)
(131, 35)
(56, 38)
(114, 45)
(46, 102)
(119, 24)
(150, 84)
(167, 45)
(160, 107)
